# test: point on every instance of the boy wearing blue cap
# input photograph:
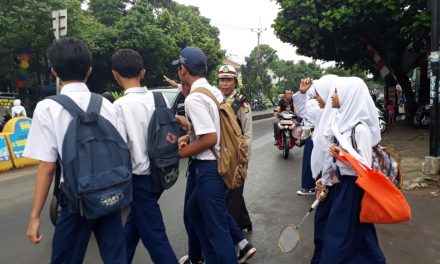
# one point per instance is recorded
(205, 211)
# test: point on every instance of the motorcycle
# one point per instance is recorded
(422, 117)
(285, 139)
(382, 122)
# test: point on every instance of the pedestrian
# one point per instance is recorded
(282, 105)
(228, 83)
(144, 222)
(205, 211)
(308, 109)
(339, 235)
(18, 109)
(310, 104)
(391, 112)
(234, 198)
(70, 60)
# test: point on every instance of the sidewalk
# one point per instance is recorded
(413, 145)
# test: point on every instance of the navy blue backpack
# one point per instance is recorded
(96, 162)
(163, 151)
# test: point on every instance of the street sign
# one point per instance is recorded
(59, 23)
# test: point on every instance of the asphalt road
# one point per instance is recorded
(271, 199)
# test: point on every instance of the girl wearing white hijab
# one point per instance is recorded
(324, 88)
(339, 235)
(310, 110)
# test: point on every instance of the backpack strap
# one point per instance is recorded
(68, 104)
(208, 93)
(95, 103)
(353, 140)
(159, 101)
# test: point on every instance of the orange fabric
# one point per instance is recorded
(382, 203)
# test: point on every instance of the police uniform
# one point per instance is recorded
(235, 200)
(45, 141)
(144, 221)
(205, 212)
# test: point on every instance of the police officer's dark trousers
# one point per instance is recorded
(237, 207)
(340, 238)
(72, 234)
(145, 223)
(206, 215)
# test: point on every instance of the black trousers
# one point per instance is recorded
(237, 207)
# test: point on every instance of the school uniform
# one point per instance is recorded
(45, 140)
(144, 221)
(340, 237)
(205, 211)
(308, 110)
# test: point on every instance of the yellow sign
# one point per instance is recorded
(17, 130)
(5, 157)
(6, 103)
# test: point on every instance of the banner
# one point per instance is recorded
(16, 131)
(5, 157)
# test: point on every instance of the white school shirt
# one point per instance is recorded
(50, 122)
(135, 109)
(363, 143)
(203, 114)
(306, 108)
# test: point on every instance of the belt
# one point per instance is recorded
(202, 161)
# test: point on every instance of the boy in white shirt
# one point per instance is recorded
(205, 211)
(70, 60)
(136, 108)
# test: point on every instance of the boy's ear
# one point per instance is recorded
(89, 71)
(142, 74)
(115, 74)
(54, 73)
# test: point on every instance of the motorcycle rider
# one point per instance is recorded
(282, 105)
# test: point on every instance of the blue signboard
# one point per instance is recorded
(4, 152)
(18, 138)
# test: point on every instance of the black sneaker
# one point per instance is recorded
(246, 253)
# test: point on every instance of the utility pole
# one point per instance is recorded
(258, 31)
(433, 74)
(59, 26)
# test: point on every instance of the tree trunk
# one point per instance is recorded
(404, 82)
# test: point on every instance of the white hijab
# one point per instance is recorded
(356, 105)
(325, 87)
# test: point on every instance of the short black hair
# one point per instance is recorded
(128, 63)
(287, 89)
(199, 72)
(70, 58)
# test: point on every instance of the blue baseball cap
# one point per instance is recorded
(192, 58)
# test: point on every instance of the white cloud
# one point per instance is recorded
(236, 19)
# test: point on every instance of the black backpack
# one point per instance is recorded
(163, 151)
(96, 162)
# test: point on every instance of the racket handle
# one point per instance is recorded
(314, 205)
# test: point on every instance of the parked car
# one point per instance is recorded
(174, 98)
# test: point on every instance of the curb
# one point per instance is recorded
(262, 116)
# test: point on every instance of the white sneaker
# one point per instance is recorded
(306, 192)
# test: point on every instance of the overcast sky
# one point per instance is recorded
(236, 18)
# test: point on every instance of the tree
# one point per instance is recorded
(256, 79)
(337, 30)
(289, 74)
